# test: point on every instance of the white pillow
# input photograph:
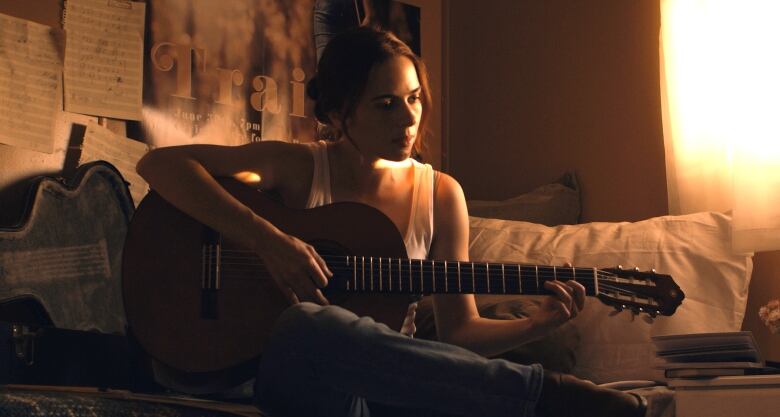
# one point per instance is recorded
(694, 249)
(550, 204)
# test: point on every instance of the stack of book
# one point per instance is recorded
(706, 355)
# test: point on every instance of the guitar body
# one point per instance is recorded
(195, 330)
(66, 252)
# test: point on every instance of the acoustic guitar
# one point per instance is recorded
(199, 303)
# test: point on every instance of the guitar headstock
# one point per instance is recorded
(639, 291)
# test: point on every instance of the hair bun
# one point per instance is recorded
(311, 88)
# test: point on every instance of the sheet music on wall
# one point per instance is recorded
(104, 57)
(101, 144)
(29, 73)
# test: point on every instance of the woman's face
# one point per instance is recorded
(387, 115)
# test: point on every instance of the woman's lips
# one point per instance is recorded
(403, 141)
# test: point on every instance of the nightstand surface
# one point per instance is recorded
(727, 396)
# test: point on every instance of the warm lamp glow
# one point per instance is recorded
(721, 80)
(247, 177)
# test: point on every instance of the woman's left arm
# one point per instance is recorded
(457, 319)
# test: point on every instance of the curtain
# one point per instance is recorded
(720, 80)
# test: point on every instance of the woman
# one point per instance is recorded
(323, 360)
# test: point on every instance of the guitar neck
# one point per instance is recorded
(361, 274)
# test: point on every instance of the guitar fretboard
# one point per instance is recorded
(364, 274)
(414, 276)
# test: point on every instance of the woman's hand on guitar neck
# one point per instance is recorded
(297, 268)
(567, 300)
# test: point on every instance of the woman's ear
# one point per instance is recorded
(334, 118)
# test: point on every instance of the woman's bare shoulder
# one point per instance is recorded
(277, 148)
(270, 156)
(285, 164)
(448, 189)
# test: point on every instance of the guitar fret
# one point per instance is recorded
(390, 273)
(460, 288)
(503, 278)
(354, 273)
(380, 274)
(363, 271)
(371, 272)
(538, 289)
(519, 279)
(555, 273)
(595, 282)
(411, 288)
(446, 283)
(400, 275)
(433, 274)
(473, 279)
(217, 272)
(346, 258)
(422, 287)
(573, 274)
(487, 275)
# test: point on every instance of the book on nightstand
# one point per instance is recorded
(717, 369)
(707, 355)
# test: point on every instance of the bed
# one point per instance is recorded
(601, 344)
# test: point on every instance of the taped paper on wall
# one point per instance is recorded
(29, 72)
(104, 58)
(101, 144)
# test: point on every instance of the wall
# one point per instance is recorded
(553, 86)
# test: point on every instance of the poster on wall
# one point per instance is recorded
(227, 72)
(234, 71)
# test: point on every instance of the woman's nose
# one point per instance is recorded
(408, 115)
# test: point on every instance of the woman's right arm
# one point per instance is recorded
(185, 177)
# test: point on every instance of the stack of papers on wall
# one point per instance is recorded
(702, 355)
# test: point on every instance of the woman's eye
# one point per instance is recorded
(414, 99)
(386, 103)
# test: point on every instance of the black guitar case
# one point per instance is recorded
(66, 251)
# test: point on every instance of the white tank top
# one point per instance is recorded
(419, 235)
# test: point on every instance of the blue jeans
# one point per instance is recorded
(326, 361)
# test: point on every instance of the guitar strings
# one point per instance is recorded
(427, 269)
(481, 285)
(480, 288)
(427, 264)
(580, 274)
(450, 272)
(230, 254)
(499, 283)
(234, 260)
